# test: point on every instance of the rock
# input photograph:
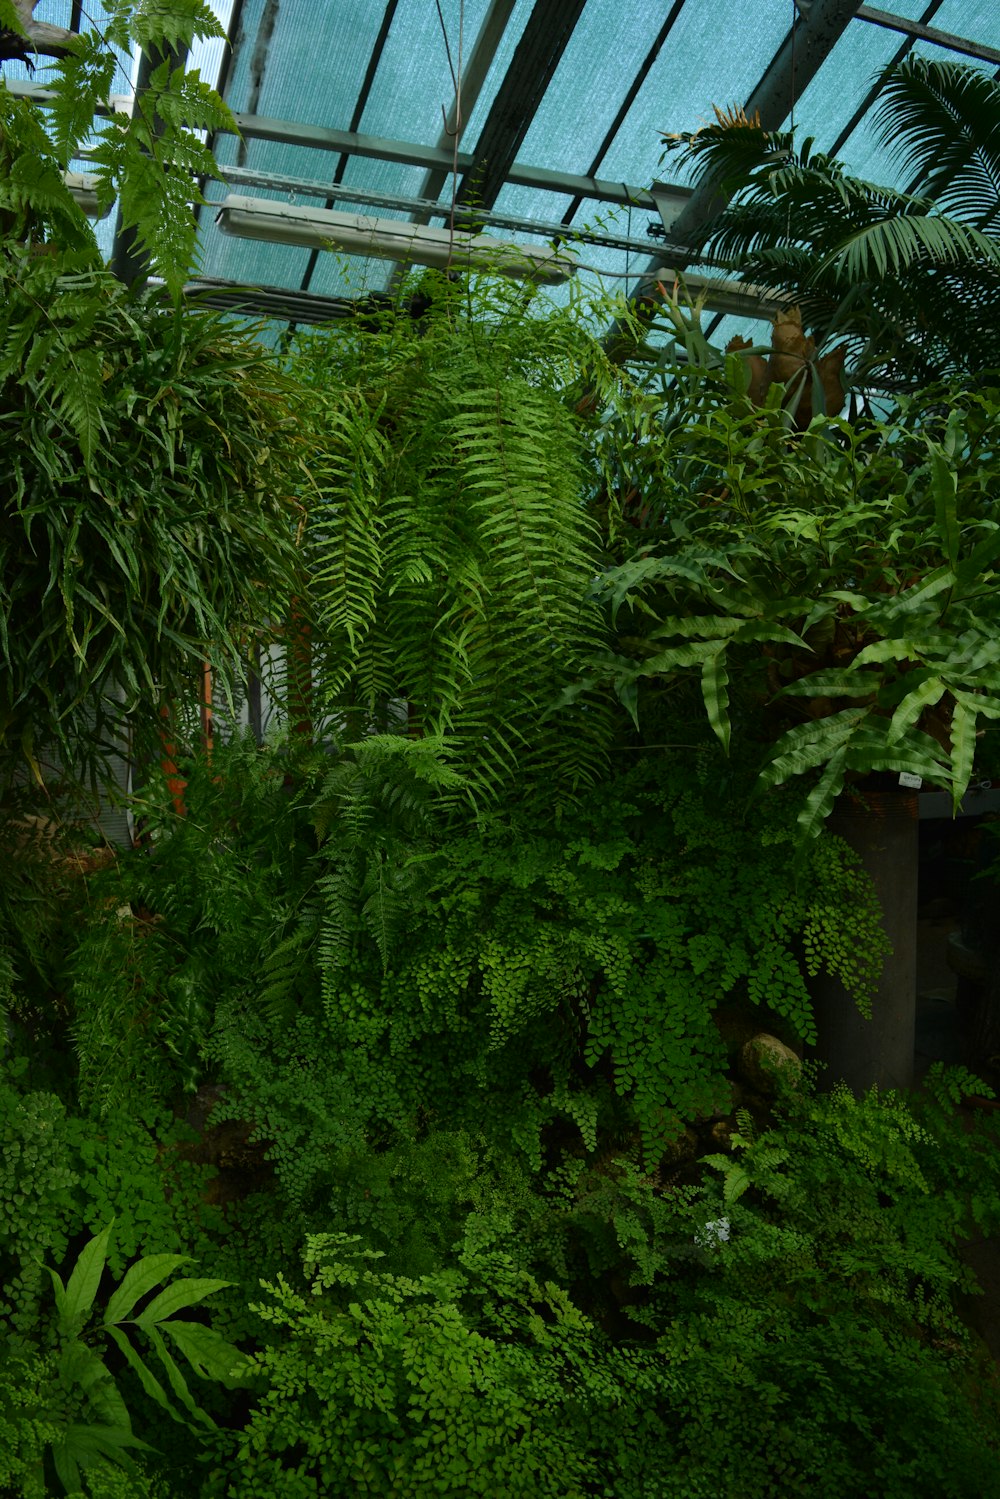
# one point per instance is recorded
(764, 1058)
(683, 1148)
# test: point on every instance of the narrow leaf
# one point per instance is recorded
(963, 749)
(819, 802)
(715, 690)
(929, 692)
(207, 1352)
(143, 1373)
(177, 1381)
(944, 488)
(81, 1289)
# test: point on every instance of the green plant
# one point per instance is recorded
(149, 159)
(81, 1415)
(146, 450)
(448, 545)
(527, 973)
(472, 1381)
(832, 589)
(147, 545)
(784, 1326)
(908, 280)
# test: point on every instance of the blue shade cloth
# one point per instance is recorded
(973, 20)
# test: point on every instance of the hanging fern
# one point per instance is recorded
(451, 548)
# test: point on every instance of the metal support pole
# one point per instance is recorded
(882, 831)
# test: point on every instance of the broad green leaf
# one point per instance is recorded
(924, 696)
(895, 649)
(944, 488)
(103, 1441)
(207, 1352)
(835, 682)
(979, 560)
(627, 690)
(715, 690)
(982, 705)
(57, 1286)
(819, 802)
(81, 1288)
(66, 1466)
(963, 748)
(699, 626)
(912, 599)
(81, 1367)
(693, 654)
(140, 1280)
(768, 630)
(175, 1298)
(810, 745)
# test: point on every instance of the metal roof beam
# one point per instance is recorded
(471, 81)
(409, 153)
(817, 29)
(933, 34)
(536, 57)
(422, 210)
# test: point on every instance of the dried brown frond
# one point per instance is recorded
(736, 115)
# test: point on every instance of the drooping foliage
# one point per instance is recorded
(446, 1015)
(148, 160)
(145, 454)
(449, 547)
(148, 511)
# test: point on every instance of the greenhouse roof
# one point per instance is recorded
(539, 121)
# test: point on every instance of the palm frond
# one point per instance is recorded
(943, 122)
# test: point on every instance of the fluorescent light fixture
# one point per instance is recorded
(389, 239)
(83, 186)
(737, 298)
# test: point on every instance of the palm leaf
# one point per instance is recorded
(943, 121)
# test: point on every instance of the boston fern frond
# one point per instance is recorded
(450, 547)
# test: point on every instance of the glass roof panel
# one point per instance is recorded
(383, 68)
(711, 57)
(278, 69)
(973, 20)
(861, 150)
(496, 73)
(413, 83)
(827, 106)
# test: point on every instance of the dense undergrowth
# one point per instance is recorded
(386, 1105)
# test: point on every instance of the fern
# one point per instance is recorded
(450, 547)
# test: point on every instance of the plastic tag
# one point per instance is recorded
(906, 778)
